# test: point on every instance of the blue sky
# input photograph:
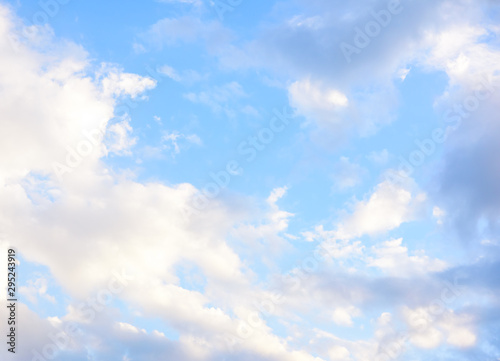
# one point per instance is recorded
(237, 180)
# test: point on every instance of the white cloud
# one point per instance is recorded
(100, 214)
(157, 119)
(170, 72)
(147, 228)
(127, 327)
(317, 102)
(116, 83)
(387, 208)
(381, 157)
(313, 22)
(187, 77)
(347, 174)
(63, 99)
(335, 348)
(171, 31)
(119, 139)
(339, 353)
(35, 289)
(342, 316)
(171, 141)
(438, 213)
(147, 223)
(393, 258)
(334, 115)
(249, 110)
(403, 73)
(334, 247)
(219, 98)
(276, 195)
(429, 328)
(172, 144)
(267, 233)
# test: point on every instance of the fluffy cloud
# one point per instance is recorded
(313, 101)
(393, 258)
(387, 208)
(52, 101)
(343, 316)
(268, 233)
(36, 288)
(119, 139)
(76, 224)
(430, 328)
(56, 104)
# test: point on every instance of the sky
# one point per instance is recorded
(215, 180)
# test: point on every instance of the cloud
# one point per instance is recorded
(116, 83)
(347, 174)
(393, 258)
(190, 2)
(381, 157)
(429, 331)
(219, 98)
(35, 289)
(147, 228)
(343, 316)
(469, 108)
(61, 97)
(387, 208)
(171, 141)
(119, 140)
(187, 76)
(438, 213)
(403, 73)
(51, 99)
(316, 102)
(169, 32)
(267, 231)
(170, 72)
(425, 35)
